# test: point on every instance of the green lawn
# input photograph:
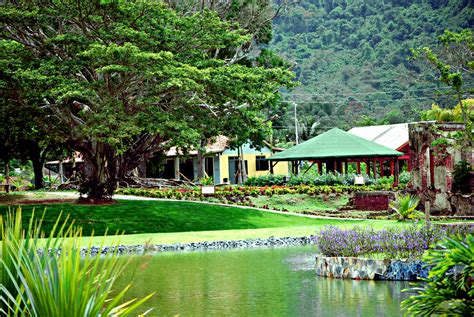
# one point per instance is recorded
(170, 222)
(135, 217)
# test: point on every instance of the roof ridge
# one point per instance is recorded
(384, 132)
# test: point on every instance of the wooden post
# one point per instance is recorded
(61, 172)
(346, 165)
(176, 168)
(427, 213)
(7, 176)
(381, 168)
(392, 166)
(367, 167)
(375, 168)
(396, 172)
(358, 167)
(320, 167)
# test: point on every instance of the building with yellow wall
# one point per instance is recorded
(220, 162)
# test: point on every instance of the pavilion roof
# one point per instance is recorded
(393, 136)
(335, 143)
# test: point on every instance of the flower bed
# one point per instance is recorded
(394, 243)
(327, 179)
(393, 254)
(243, 191)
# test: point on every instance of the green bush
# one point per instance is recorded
(46, 283)
(461, 177)
(405, 177)
(327, 179)
(405, 207)
(449, 288)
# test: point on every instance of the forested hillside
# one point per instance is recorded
(352, 59)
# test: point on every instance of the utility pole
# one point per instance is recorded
(296, 125)
(296, 136)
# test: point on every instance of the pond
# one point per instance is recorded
(255, 282)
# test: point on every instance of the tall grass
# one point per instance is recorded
(48, 276)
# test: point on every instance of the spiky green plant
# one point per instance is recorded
(57, 281)
(449, 288)
(405, 207)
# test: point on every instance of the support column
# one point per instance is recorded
(320, 167)
(381, 168)
(367, 167)
(358, 167)
(396, 172)
(375, 168)
(392, 166)
(176, 168)
(346, 165)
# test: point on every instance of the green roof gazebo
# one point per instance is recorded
(336, 148)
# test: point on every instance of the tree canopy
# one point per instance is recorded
(126, 76)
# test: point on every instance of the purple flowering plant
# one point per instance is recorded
(409, 242)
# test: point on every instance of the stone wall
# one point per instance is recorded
(373, 200)
(433, 165)
(369, 269)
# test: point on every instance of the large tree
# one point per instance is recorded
(27, 129)
(126, 76)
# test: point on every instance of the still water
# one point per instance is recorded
(255, 282)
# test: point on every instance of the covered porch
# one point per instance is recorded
(335, 149)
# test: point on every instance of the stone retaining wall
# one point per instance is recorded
(369, 269)
(200, 246)
(372, 200)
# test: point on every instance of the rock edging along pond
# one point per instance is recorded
(370, 269)
(201, 246)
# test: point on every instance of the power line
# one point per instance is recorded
(375, 92)
(345, 101)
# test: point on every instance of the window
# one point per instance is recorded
(262, 163)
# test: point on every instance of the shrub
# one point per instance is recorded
(57, 281)
(449, 288)
(327, 179)
(206, 181)
(461, 177)
(404, 177)
(266, 180)
(405, 207)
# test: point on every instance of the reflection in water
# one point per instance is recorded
(258, 282)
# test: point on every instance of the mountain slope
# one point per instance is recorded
(352, 59)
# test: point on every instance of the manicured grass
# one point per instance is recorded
(173, 222)
(135, 217)
(300, 202)
(198, 236)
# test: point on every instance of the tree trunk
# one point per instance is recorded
(101, 170)
(38, 172)
(239, 169)
(201, 173)
(7, 175)
(244, 168)
(37, 157)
